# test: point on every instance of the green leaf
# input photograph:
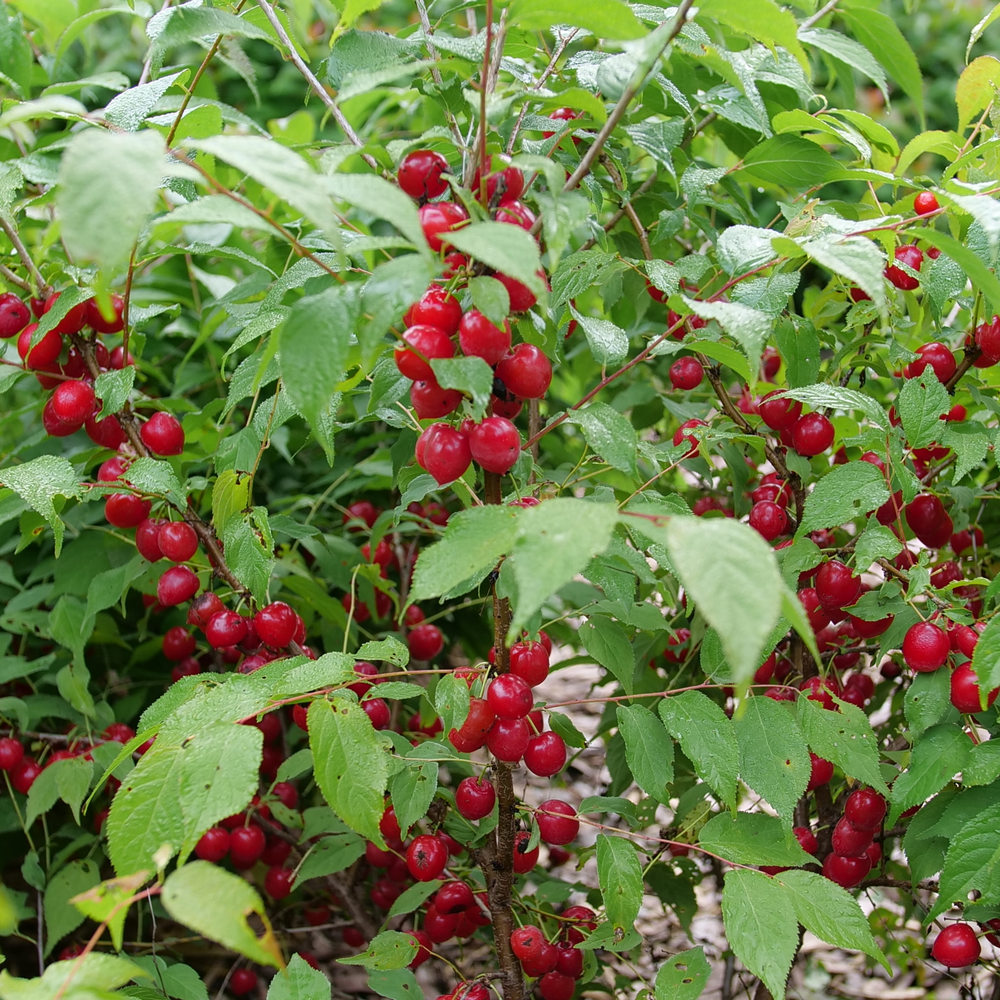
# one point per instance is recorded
(648, 750)
(555, 541)
(936, 758)
(977, 31)
(608, 341)
(760, 19)
(877, 32)
(131, 107)
(314, 345)
(821, 396)
(876, 542)
(707, 738)
(986, 656)
(389, 650)
(579, 271)
(382, 199)
(972, 863)
(331, 855)
(853, 257)
(506, 248)
(393, 287)
(983, 766)
(723, 353)
(413, 898)
(299, 981)
(397, 984)
(844, 737)
(976, 88)
(733, 577)
(605, 640)
(789, 161)
(413, 788)
(15, 53)
(351, 766)
(216, 904)
(659, 139)
(451, 700)
(113, 388)
(752, 839)
(180, 25)
(61, 917)
(849, 51)
(103, 211)
(842, 494)
(971, 263)
(683, 976)
(388, 950)
(38, 483)
(620, 878)
(605, 18)
(66, 780)
(920, 404)
(92, 975)
(472, 376)
(829, 912)
(760, 926)
(750, 328)
(609, 434)
(491, 298)
(774, 761)
(250, 551)
(927, 700)
(563, 725)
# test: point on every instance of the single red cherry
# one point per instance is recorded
(846, 872)
(246, 845)
(812, 434)
(510, 697)
(956, 946)
(966, 692)
(472, 734)
(474, 797)
(178, 644)
(806, 838)
(44, 353)
(925, 647)
(377, 710)
(454, 897)
(526, 372)
(73, 402)
(768, 519)
(530, 662)
(98, 322)
(227, 628)
(11, 752)
(107, 432)
(526, 942)
(864, 809)
(680, 436)
(778, 411)
(126, 510)
(426, 857)
(836, 586)
(118, 360)
(848, 841)
(361, 511)
(147, 538)
(562, 115)
(444, 452)
(516, 213)
(912, 257)
(522, 298)
(937, 357)
(73, 321)
(278, 881)
(557, 822)
(177, 585)
(431, 402)
(686, 373)
(508, 739)
(925, 203)
(177, 540)
(275, 624)
(425, 642)
(524, 860)
(928, 520)
(821, 772)
(242, 982)
(545, 754)
(424, 343)
(419, 174)
(162, 434)
(213, 845)
(478, 337)
(440, 218)
(495, 444)
(24, 773)
(14, 315)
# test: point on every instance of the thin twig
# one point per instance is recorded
(22, 252)
(620, 214)
(9, 276)
(425, 23)
(316, 86)
(564, 40)
(818, 16)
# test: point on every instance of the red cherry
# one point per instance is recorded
(54, 427)
(966, 692)
(147, 535)
(242, 982)
(454, 897)
(444, 452)
(925, 647)
(426, 857)
(515, 213)
(557, 822)
(474, 798)
(177, 585)
(570, 961)
(317, 915)
(44, 353)
(363, 669)
(202, 610)
(812, 434)
(430, 401)
(73, 402)
(846, 872)
(96, 320)
(928, 520)
(526, 372)
(428, 341)
(425, 642)
(529, 661)
(440, 218)
(848, 841)
(526, 942)
(508, 739)
(912, 256)
(118, 361)
(178, 644)
(562, 115)
(361, 510)
(278, 881)
(806, 838)
(768, 519)
(556, 985)
(686, 373)
(213, 845)
(524, 860)
(14, 315)
(936, 356)
(106, 432)
(73, 321)
(495, 444)
(956, 946)
(23, 774)
(11, 752)
(510, 697)
(692, 441)
(778, 411)
(227, 628)
(545, 754)
(246, 845)
(424, 948)
(126, 510)
(186, 668)
(378, 712)
(963, 541)
(836, 586)
(864, 809)
(472, 734)
(177, 540)
(478, 337)
(275, 624)
(522, 298)
(925, 203)
(821, 773)
(419, 174)
(162, 434)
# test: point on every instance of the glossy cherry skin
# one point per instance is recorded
(680, 436)
(927, 519)
(865, 809)
(424, 340)
(361, 510)
(177, 541)
(836, 586)
(510, 697)
(213, 845)
(126, 510)
(686, 374)
(495, 444)
(472, 734)
(925, 203)
(956, 946)
(162, 434)
(812, 434)
(556, 985)
(246, 845)
(425, 642)
(557, 822)
(935, 356)
(526, 942)
(846, 872)
(524, 860)
(515, 213)
(14, 315)
(806, 838)
(426, 857)
(966, 693)
(768, 519)
(925, 647)
(436, 307)
(11, 753)
(227, 628)
(242, 982)
(508, 739)
(177, 585)
(96, 320)
(278, 881)
(508, 184)
(912, 256)
(529, 661)
(848, 841)
(454, 897)
(778, 411)
(178, 644)
(526, 372)
(545, 754)
(275, 624)
(480, 338)
(522, 298)
(440, 218)
(44, 353)
(444, 452)
(474, 798)
(821, 773)
(430, 401)
(106, 432)
(73, 402)
(419, 174)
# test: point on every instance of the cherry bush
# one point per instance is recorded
(373, 374)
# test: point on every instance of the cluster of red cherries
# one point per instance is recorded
(437, 321)
(557, 963)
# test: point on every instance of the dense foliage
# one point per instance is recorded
(374, 373)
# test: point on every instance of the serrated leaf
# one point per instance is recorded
(388, 950)
(397, 984)
(620, 876)
(745, 248)
(841, 495)
(760, 926)
(849, 51)
(129, 109)
(822, 396)
(389, 650)
(609, 434)
(331, 855)
(752, 839)
(853, 257)
(829, 912)
(750, 328)
(986, 656)
(61, 917)
(938, 755)
(774, 761)
(384, 200)
(413, 788)
(876, 542)
(683, 976)
(790, 162)
(38, 483)
(648, 750)
(707, 738)
(972, 863)
(605, 640)
(299, 981)
(506, 248)
(608, 341)
(113, 388)
(920, 404)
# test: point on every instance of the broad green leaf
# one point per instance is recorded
(109, 902)
(608, 644)
(977, 31)
(648, 750)
(620, 877)
(820, 396)
(331, 855)
(920, 404)
(789, 161)
(131, 107)
(774, 760)
(876, 542)
(829, 912)
(299, 981)
(707, 738)
(250, 551)
(976, 88)
(472, 376)
(605, 18)
(397, 984)
(733, 577)
(380, 198)
(683, 976)
(745, 248)
(350, 764)
(451, 699)
(414, 897)
(180, 25)
(15, 53)
(61, 917)
(842, 494)
(113, 388)
(853, 257)
(945, 144)
(388, 950)
(729, 356)
(986, 656)
(972, 863)
(849, 51)
(983, 765)
(216, 904)
(38, 483)
(413, 788)
(506, 248)
(314, 345)
(971, 263)
(752, 839)
(103, 211)
(65, 780)
(608, 341)
(609, 434)
(844, 737)
(760, 19)
(491, 298)
(750, 328)
(555, 541)
(760, 926)
(92, 975)
(927, 700)
(936, 758)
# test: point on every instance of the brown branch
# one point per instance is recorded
(622, 211)
(22, 252)
(11, 278)
(633, 217)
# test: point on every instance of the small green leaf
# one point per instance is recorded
(936, 758)
(920, 404)
(608, 342)
(299, 981)
(986, 656)
(683, 976)
(507, 249)
(927, 700)
(972, 863)
(39, 482)
(62, 918)
(620, 877)
(388, 950)
(491, 298)
(451, 700)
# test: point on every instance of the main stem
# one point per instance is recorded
(498, 861)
